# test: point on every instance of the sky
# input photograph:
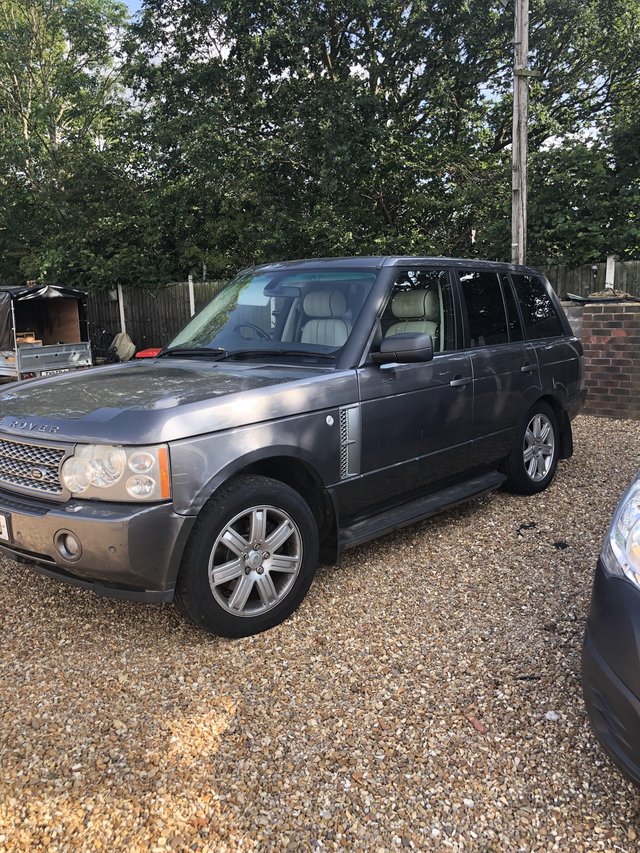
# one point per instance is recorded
(133, 5)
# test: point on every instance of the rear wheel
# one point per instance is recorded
(534, 456)
(250, 560)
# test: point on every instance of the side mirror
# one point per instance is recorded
(405, 348)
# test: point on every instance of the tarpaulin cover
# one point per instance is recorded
(46, 291)
(6, 326)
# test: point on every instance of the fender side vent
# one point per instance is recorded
(349, 442)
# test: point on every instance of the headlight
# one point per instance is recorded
(111, 473)
(621, 547)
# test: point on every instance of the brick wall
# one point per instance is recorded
(611, 339)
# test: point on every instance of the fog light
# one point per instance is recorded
(68, 545)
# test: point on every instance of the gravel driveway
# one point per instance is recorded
(426, 695)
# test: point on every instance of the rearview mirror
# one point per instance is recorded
(405, 348)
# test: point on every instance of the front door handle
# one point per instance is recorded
(528, 368)
(459, 381)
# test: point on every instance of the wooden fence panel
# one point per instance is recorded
(153, 316)
(104, 319)
(204, 291)
(628, 277)
(591, 278)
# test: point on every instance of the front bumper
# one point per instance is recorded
(127, 551)
(611, 669)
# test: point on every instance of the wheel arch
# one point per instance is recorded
(564, 423)
(297, 473)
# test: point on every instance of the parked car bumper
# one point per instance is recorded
(126, 551)
(611, 669)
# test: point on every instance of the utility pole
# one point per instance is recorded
(521, 74)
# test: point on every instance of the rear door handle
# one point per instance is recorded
(459, 381)
(528, 368)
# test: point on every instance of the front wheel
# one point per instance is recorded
(250, 560)
(534, 456)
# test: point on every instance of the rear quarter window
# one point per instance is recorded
(539, 314)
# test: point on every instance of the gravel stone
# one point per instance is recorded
(426, 696)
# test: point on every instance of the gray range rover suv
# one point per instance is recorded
(311, 406)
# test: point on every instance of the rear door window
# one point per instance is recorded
(485, 307)
(538, 311)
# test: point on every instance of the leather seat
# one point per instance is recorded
(417, 311)
(326, 325)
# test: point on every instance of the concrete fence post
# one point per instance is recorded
(123, 325)
(192, 297)
(610, 275)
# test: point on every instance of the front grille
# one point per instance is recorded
(31, 466)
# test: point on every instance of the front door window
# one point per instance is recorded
(421, 301)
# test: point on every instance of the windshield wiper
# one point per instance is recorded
(247, 353)
(188, 352)
(221, 354)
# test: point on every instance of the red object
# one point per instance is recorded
(152, 352)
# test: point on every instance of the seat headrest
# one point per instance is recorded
(324, 303)
(416, 305)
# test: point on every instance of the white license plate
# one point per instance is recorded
(4, 528)
(53, 372)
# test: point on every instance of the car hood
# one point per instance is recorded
(168, 399)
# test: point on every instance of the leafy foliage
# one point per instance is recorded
(223, 133)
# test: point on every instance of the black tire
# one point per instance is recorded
(265, 576)
(533, 459)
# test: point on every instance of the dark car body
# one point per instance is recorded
(611, 657)
(374, 417)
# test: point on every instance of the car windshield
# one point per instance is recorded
(283, 313)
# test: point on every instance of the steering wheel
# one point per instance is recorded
(262, 335)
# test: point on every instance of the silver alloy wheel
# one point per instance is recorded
(255, 561)
(538, 447)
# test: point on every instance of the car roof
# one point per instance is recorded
(377, 262)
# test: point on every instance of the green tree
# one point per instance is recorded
(60, 97)
(236, 132)
(362, 125)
